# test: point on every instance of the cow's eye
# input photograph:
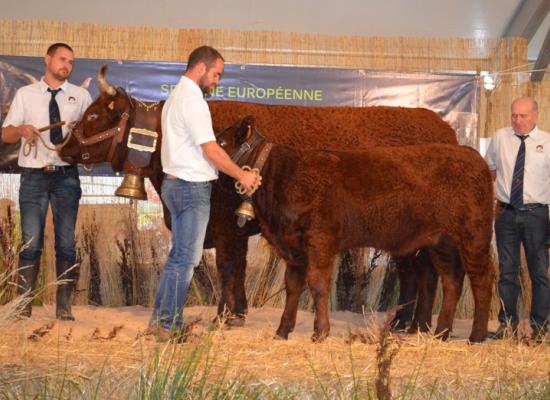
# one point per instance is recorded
(222, 143)
(92, 117)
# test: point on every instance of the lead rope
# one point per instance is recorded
(256, 169)
(31, 144)
(241, 189)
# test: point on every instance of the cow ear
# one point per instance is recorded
(248, 120)
(247, 128)
(249, 131)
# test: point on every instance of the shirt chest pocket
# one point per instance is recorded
(536, 163)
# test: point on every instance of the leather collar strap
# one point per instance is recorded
(262, 158)
(120, 133)
(246, 148)
(117, 131)
(242, 155)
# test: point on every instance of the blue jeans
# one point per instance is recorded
(37, 190)
(189, 205)
(530, 228)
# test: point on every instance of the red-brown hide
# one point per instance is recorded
(340, 128)
(314, 204)
(337, 128)
(105, 113)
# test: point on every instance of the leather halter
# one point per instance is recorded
(242, 155)
(117, 133)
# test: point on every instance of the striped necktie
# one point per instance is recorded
(516, 193)
(55, 134)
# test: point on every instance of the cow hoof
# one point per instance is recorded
(443, 335)
(227, 321)
(318, 338)
(280, 337)
(477, 338)
(425, 328)
(398, 326)
(235, 321)
(422, 328)
(413, 330)
(219, 323)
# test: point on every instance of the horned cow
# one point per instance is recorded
(102, 135)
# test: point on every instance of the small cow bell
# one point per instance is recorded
(132, 186)
(245, 212)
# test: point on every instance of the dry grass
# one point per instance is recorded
(345, 365)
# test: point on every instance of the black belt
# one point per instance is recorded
(525, 207)
(48, 169)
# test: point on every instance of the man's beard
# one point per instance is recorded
(61, 75)
(202, 85)
(205, 89)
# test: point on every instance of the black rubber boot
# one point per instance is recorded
(27, 274)
(64, 290)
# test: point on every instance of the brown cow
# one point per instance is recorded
(354, 127)
(315, 204)
(336, 128)
(102, 134)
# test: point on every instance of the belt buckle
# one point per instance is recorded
(50, 168)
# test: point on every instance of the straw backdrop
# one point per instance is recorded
(401, 54)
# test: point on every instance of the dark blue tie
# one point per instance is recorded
(56, 136)
(516, 193)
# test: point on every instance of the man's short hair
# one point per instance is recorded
(53, 48)
(206, 54)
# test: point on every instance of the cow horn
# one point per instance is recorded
(248, 121)
(31, 78)
(104, 86)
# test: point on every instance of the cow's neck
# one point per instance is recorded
(254, 152)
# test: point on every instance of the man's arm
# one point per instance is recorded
(15, 127)
(223, 162)
(11, 134)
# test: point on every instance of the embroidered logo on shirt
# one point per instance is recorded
(540, 148)
(72, 99)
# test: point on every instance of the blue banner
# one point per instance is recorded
(453, 97)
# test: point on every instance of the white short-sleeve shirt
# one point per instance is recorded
(186, 124)
(501, 157)
(30, 106)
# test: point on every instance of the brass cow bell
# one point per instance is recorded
(132, 186)
(245, 212)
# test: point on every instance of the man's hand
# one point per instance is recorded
(12, 134)
(220, 159)
(27, 131)
(249, 180)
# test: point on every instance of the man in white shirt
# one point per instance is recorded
(45, 178)
(190, 159)
(520, 157)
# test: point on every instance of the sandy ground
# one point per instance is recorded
(129, 323)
